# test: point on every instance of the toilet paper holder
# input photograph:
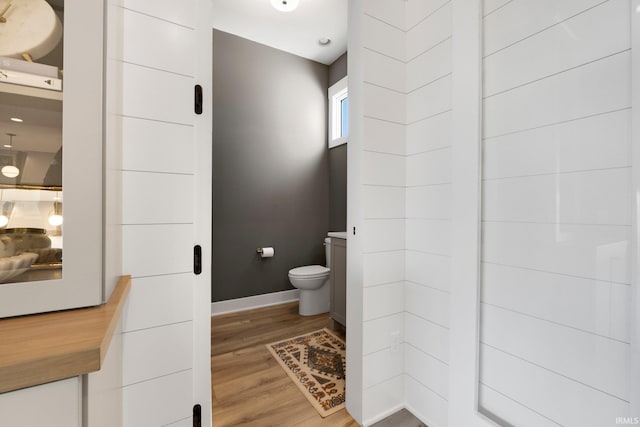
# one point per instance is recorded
(258, 250)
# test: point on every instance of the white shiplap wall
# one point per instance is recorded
(383, 207)
(428, 204)
(405, 193)
(556, 212)
(154, 63)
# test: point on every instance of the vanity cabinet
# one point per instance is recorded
(55, 404)
(338, 276)
(53, 139)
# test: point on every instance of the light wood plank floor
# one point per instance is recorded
(249, 388)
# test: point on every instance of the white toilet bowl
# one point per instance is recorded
(313, 282)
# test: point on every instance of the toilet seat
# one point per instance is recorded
(309, 272)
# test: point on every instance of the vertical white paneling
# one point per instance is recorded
(565, 147)
(425, 404)
(383, 37)
(154, 146)
(384, 137)
(427, 303)
(382, 70)
(383, 267)
(172, 301)
(380, 334)
(556, 213)
(382, 366)
(384, 104)
(164, 201)
(159, 401)
(158, 43)
(383, 300)
(174, 343)
(428, 371)
(166, 10)
(156, 95)
(384, 202)
(506, 26)
(429, 32)
(429, 133)
(561, 97)
(158, 63)
(576, 42)
(151, 250)
(383, 400)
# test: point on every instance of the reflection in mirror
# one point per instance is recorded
(31, 139)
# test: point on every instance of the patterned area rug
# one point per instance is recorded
(315, 362)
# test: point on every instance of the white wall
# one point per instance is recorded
(154, 63)
(428, 204)
(552, 81)
(556, 280)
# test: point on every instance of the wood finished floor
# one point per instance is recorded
(249, 388)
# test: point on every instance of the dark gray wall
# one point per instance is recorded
(338, 164)
(270, 166)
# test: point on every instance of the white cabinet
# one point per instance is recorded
(56, 404)
(73, 119)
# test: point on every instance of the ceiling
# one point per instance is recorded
(296, 32)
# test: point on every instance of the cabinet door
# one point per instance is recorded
(55, 404)
(53, 139)
(339, 280)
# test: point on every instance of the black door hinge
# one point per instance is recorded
(197, 259)
(198, 99)
(197, 416)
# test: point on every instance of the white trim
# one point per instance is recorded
(337, 92)
(203, 160)
(355, 222)
(381, 416)
(256, 301)
(634, 321)
(466, 174)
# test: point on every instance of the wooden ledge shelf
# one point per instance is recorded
(47, 347)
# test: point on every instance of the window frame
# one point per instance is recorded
(337, 93)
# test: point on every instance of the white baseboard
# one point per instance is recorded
(383, 415)
(257, 301)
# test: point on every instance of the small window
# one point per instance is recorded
(338, 113)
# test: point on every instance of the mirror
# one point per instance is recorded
(31, 135)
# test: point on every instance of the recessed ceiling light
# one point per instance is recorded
(15, 119)
(285, 5)
(324, 41)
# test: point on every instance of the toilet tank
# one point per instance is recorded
(327, 251)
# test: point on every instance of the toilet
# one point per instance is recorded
(313, 282)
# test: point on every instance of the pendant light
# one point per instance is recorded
(284, 5)
(55, 216)
(5, 210)
(10, 171)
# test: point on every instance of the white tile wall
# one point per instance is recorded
(157, 65)
(556, 213)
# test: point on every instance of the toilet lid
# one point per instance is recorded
(309, 271)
